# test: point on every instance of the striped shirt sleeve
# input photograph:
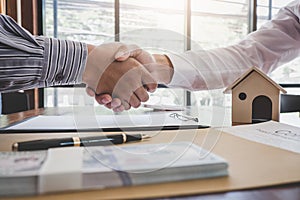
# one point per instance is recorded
(29, 62)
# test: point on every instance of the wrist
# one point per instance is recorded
(98, 59)
(165, 67)
(55, 72)
(90, 48)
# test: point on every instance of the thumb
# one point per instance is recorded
(134, 51)
(148, 81)
(91, 92)
(124, 52)
(122, 55)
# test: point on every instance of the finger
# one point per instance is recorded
(103, 99)
(116, 102)
(90, 91)
(134, 101)
(142, 56)
(148, 81)
(122, 56)
(123, 53)
(141, 94)
(126, 51)
(126, 105)
(108, 106)
(119, 109)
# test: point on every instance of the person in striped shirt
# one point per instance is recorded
(28, 61)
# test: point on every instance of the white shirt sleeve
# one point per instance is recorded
(275, 43)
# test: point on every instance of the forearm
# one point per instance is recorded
(274, 44)
(28, 61)
(90, 48)
(64, 62)
(165, 73)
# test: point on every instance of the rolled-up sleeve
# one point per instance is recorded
(28, 62)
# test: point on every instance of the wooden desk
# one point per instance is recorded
(287, 191)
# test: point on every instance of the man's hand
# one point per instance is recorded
(159, 66)
(128, 82)
(117, 85)
(99, 58)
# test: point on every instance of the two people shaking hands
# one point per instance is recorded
(275, 43)
(120, 76)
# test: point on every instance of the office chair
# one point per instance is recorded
(14, 102)
(289, 103)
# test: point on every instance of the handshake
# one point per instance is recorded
(120, 76)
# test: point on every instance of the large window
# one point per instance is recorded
(290, 72)
(90, 21)
(216, 24)
(219, 23)
(142, 22)
(182, 24)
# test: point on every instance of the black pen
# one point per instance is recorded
(103, 140)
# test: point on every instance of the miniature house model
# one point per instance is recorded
(255, 98)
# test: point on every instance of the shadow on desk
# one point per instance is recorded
(288, 191)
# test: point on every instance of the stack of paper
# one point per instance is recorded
(63, 169)
(271, 133)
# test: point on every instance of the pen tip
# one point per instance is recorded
(145, 136)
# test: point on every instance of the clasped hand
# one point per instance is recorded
(115, 76)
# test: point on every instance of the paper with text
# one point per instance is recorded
(21, 163)
(271, 133)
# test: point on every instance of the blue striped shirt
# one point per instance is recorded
(28, 61)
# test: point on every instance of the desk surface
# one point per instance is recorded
(286, 191)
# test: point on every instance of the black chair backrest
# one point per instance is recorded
(289, 103)
(14, 102)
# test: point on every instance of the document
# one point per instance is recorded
(292, 118)
(79, 168)
(271, 133)
(45, 122)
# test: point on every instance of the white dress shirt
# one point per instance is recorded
(275, 43)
